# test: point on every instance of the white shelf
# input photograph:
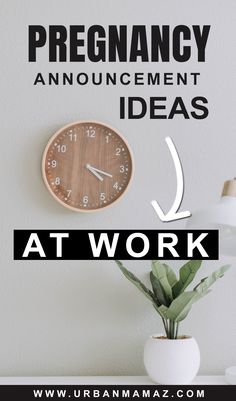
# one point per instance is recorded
(99, 380)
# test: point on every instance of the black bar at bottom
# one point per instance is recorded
(117, 392)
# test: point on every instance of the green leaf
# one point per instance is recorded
(158, 290)
(162, 310)
(131, 277)
(203, 279)
(166, 277)
(186, 276)
(171, 276)
(181, 305)
(207, 282)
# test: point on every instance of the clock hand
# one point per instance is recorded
(94, 172)
(100, 171)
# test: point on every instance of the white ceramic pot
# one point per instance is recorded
(171, 361)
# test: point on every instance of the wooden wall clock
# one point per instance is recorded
(87, 166)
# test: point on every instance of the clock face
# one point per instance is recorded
(87, 166)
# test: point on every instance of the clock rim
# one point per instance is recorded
(52, 138)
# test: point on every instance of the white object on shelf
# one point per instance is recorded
(230, 375)
(171, 361)
(100, 380)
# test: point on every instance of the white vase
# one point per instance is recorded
(171, 361)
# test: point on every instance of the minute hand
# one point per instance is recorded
(94, 172)
(100, 171)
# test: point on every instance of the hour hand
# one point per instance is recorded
(94, 172)
(100, 171)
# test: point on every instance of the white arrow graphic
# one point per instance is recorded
(173, 213)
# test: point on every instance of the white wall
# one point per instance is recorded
(81, 318)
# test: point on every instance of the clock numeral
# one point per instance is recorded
(118, 151)
(122, 168)
(115, 185)
(107, 138)
(54, 163)
(61, 148)
(68, 192)
(102, 196)
(85, 200)
(57, 181)
(91, 133)
(73, 137)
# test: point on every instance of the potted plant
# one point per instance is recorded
(171, 358)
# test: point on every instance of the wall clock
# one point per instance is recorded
(87, 166)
